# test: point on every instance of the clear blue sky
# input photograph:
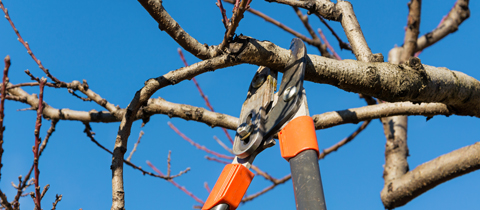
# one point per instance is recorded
(116, 46)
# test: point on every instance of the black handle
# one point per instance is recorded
(307, 182)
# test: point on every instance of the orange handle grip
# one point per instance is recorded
(230, 187)
(297, 136)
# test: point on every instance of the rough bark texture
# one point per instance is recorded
(168, 24)
(395, 129)
(450, 24)
(427, 176)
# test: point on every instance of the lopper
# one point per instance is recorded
(264, 114)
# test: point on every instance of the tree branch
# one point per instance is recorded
(459, 13)
(321, 47)
(356, 115)
(234, 21)
(413, 29)
(141, 98)
(2, 106)
(168, 24)
(430, 174)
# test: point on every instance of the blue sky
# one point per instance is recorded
(117, 46)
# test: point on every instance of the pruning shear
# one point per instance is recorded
(264, 114)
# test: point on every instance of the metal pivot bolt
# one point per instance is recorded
(246, 128)
(258, 81)
(289, 93)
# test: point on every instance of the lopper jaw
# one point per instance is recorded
(264, 113)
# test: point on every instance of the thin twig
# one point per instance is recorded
(90, 135)
(58, 198)
(328, 44)
(222, 144)
(344, 141)
(216, 160)
(47, 137)
(3, 198)
(182, 188)
(2, 107)
(235, 20)
(135, 146)
(205, 185)
(318, 43)
(225, 21)
(279, 24)
(342, 44)
(169, 166)
(25, 44)
(198, 146)
(36, 150)
(264, 174)
(277, 182)
(45, 189)
(205, 98)
(79, 97)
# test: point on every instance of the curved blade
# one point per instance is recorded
(290, 92)
(251, 131)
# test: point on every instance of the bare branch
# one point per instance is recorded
(2, 104)
(3, 198)
(277, 182)
(182, 188)
(336, 56)
(321, 47)
(198, 146)
(395, 127)
(413, 29)
(459, 13)
(222, 144)
(342, 44)
(47, 137)
(89, 134)
(58, 198)
(36, 152)
(224, 14)
(135, 146)
(279, 24)
(168, 24)
(235, 20)
(343, 141)
(355, 115)
(141, 97)
(45, 189)
(430, 174)
(205, 98)
(25, 44)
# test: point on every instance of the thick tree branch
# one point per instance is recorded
(395, 129)
(356, 115)
(412, 30)
(354, 32)
(459, 13)
(430, 174)
(384, 81)
(405, 82)
(168, 24)
(140, 99)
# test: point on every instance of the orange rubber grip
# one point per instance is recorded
(297, 136)
(230, 187)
